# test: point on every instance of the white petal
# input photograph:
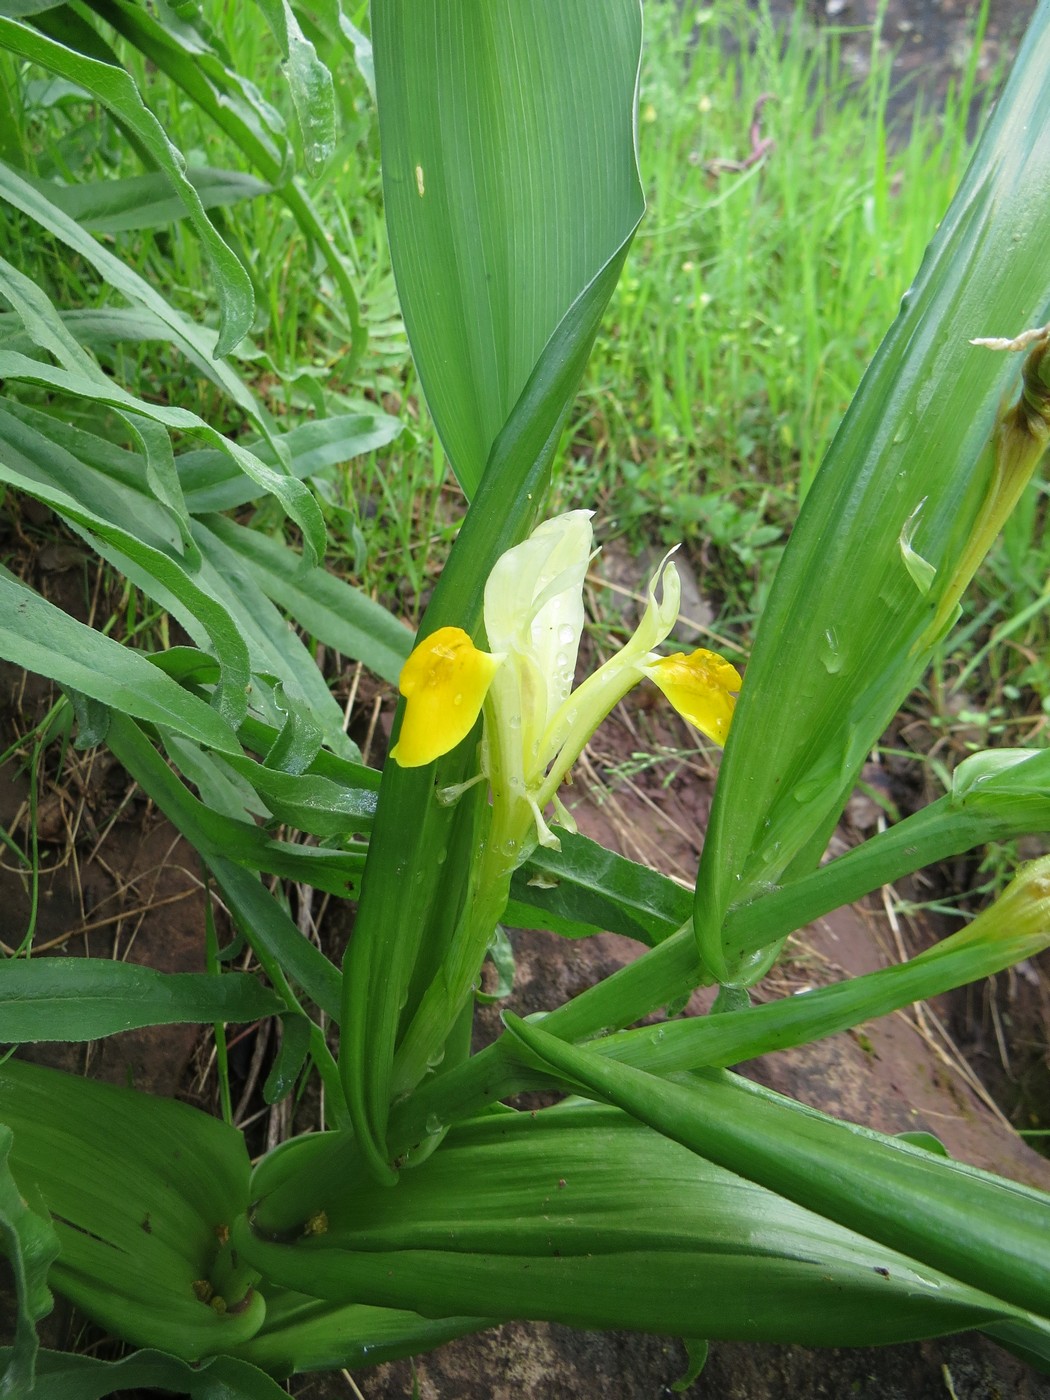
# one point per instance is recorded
(534, 612)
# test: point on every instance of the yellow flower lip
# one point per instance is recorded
(702, 687)
(536, 723)
(444, 681)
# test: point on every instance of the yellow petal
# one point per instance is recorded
(702, 687)
(444, 681)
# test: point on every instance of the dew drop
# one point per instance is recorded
(566, 635)
(433, 1124)
(830, 652)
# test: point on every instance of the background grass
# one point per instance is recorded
(751, 303)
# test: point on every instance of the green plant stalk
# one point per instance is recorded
(498, 366)
(289, 1186)
(448, 993)
(1015, 803)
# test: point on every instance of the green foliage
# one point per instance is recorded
(142, 248)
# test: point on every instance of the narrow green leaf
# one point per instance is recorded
(39, 637)
(592, 888)
(996, 940)
(223, 634)
(293, 495)
(310, 82)
(309, 1334)
(329, 609)
(65, 999)
(133, 202)
(295, 499)
(115, 89)
(192, 56)
(289, 1060)
(211, 481)
(329, 17)
(110, 482)
(267, 927)
(276, 649)
(47, 329)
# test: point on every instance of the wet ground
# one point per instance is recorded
(931, 40)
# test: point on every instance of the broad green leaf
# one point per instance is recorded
(576, 1216)
(30, 1244)
(843, 637)
(137, 1187)
(116, 90)
(39, 637)
(85, 998)
(494, 88)
(499, 126)
(65, 1376)
(977, 1227)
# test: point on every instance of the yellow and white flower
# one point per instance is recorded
(536, 724)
